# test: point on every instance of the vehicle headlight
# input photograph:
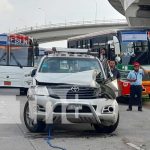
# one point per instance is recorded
(41, 90)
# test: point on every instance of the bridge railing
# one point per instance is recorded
(69, 24)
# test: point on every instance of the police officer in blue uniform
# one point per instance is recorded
(135, 78)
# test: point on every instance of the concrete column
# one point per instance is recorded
(128, 3)
(137, 12)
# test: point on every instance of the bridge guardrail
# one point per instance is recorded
(69, 24)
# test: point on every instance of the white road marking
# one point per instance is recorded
(134, 146)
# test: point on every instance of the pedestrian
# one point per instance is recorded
(102, 55)
(103, 59)
(114, 70)
(112, 54)
(135, 78)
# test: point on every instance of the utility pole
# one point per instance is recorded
(95, 10)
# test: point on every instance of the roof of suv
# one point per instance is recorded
(72, 55)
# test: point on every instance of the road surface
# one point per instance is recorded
(132, 133)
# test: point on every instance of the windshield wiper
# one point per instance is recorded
(2, 56)
(17, 62)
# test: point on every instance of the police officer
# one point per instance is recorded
(135, 78)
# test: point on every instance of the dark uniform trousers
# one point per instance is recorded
(135, 90)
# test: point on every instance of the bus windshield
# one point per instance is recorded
(21, 56)
(135, 51)
(16, 56)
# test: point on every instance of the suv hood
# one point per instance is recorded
(85, 78)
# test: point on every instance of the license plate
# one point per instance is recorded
(7, 83)
(74, 107)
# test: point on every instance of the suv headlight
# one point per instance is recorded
(41, 91)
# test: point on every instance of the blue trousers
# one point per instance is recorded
(135, 90)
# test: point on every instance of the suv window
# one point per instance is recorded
(68, 65)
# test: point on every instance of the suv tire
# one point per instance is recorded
(38, 127)
(106, 129)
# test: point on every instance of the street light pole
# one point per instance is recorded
(95, 10)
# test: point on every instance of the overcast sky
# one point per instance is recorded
(17, 14)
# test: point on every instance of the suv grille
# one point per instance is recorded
(72, 92)
(85, 109)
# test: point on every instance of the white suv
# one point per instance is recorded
(71, 88)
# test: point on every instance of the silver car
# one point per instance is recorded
(71, 88)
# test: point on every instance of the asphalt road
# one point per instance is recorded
(132, 133)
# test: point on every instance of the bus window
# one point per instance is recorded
(3, 55)
(91, 43)
(77, 43)
(141, 47)
(134, 51)
(86, 44)
(81, 44)
(141, 52)
(127, 51)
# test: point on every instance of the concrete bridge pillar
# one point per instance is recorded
(137, 12)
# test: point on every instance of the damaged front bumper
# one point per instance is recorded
(66, 111)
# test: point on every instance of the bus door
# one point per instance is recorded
(111, 53)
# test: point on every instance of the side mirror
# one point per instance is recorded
(33, 72)
(117, 59)
(116, 45)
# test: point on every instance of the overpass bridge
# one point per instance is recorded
(56, 32)
(137, 12)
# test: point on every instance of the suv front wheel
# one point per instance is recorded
(31, 126)
(106, 129)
